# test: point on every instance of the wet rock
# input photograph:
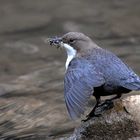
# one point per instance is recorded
(116, 124)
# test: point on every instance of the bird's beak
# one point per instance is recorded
(56, 41)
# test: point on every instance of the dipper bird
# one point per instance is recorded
(91, 70)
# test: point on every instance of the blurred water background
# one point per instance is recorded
(31, 72)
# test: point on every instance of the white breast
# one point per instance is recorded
(71, 53)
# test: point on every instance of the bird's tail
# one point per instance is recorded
(133, 83)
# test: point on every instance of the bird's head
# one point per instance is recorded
(73, 41)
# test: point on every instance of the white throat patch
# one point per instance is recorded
(71, 53)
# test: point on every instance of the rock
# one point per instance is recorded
(116, 123)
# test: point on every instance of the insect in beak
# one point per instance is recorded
(56, 41)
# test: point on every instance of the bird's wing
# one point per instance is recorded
(80, 80)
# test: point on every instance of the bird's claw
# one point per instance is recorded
(89, 116)
(107, 103)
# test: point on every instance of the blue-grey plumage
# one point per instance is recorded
(80, 80)
(115, 72)
(91, 70)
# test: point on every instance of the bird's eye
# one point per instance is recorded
(71, 40)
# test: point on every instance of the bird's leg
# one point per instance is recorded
(92, 113)
(108, 104)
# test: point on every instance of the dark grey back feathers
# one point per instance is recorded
(99, 67)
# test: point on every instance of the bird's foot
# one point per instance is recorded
(106, 105)
(91, 115)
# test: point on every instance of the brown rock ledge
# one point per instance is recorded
(114, 124)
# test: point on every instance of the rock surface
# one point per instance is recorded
(114, 124)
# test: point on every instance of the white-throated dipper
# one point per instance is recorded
(91, 70)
